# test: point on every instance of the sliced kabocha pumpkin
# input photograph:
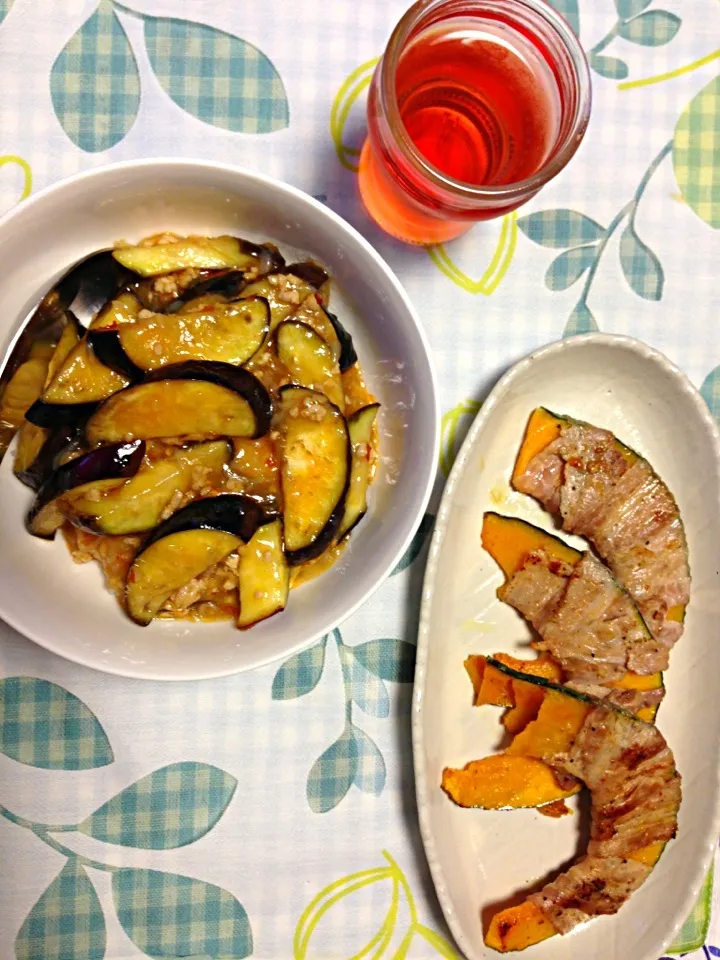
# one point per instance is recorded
(264, 575)
(608, 493)
(584, 618)
(315, 458)
(102, 469)
(491, 686)
(200, 253)
(635, 794)
(184, 546)
(203, 399)
(139, 504)
(309, 359)
(230, 333)
(360, 427)
(504, 782)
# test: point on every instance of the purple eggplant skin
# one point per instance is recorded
(348, 356)
(107, 348)
(118, 461)
(310, 272)
(44, 464)
(225, 375)
(89, 285)
(229, 512)
(228, 284)
(59, 414)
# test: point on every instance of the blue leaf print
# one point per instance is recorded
(301, 673)
(388, 659)
(218, 78)
(569, 266)
(642, 269)
(560, 228)
(580, 321)
(44, 725)
(710, 391)
(630, 8)
(167, 915)
(94, 83)
(569, 10)
(368, 691)
(5, 8)
(333, 773)
(169, 808)
(609, 67)
(67, 921)
(652, 29)
(371, 774)
(416, 544)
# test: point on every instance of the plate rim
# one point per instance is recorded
(345, 228)
(497, 392)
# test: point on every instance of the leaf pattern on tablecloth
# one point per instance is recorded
(44, 725)
(5, 6)
(218, 78)
(416, 545)
(168, 915)
(66, 922)
(696, 153)
(147, 813)
(16, 193)
(95, 84)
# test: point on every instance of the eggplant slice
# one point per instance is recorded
(315, 458)
(264, 575)
(139, 504)
(118, 312)
(309, 360)
(360, 426)
(201, 253)
(106, 346)
(105, 468)
(183, 547)
(38, 450)
(204, 399)
(230, 333)
(83, 378)
(284, 293)
(348, 357)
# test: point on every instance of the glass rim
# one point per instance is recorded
(561, 153)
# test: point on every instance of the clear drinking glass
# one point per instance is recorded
(473, 107)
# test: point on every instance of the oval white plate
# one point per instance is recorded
(65, 607)
(480, 858)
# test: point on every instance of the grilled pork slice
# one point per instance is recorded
(635, 793)
(608, 493)
(585, 620)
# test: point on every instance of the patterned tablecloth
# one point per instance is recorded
(273, 813)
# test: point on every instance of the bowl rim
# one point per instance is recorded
(344, 228)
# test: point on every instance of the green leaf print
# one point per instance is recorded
(370, 774)
(169, 808)
(710, 391)
(67, 921)
(218, 78)
(642, 269)
(301, 673)
(44, 725)
(569, 10)
(580, 321)
(333, 773)
(631, 8)
(560, 228)
(612, 68)
(416, 544)
(696, 153)
(568, 267)
(167, 915)
(388, 659)
(94, 83)
(652, 29)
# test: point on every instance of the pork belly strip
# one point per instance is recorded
(608, 494)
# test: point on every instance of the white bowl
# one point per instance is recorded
(65, 607)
